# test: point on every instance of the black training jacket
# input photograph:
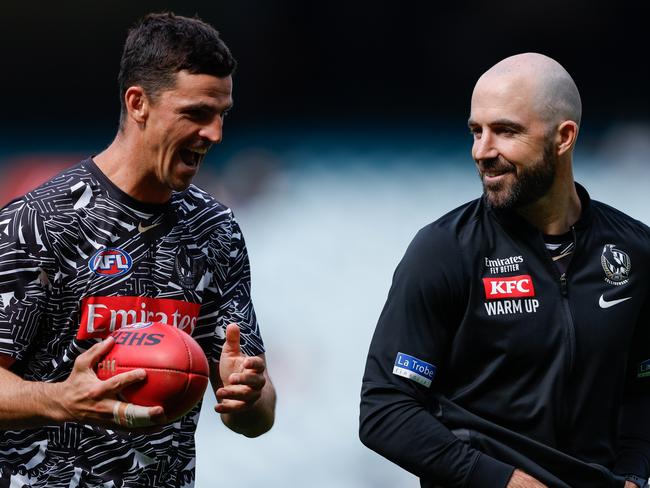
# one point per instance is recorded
(486, 359)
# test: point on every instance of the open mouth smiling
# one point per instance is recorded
(192, 157)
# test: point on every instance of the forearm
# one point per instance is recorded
(256, 420)
(402, 430)
(28, 404)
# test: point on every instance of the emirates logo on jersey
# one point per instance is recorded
(509, 287)
(111, 261)
(102, 315)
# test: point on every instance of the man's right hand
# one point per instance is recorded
(520, 479)
(84, 398)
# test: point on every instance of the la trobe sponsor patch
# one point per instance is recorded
(414, 369)
(643, 369)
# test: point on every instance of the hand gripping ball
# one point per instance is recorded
(177, 369)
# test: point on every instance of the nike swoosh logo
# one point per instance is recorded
(605, 304)
(142, 228)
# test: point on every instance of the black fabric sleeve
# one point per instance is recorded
(236, 304)
(25, 277)
(397, 416)
(634, 427)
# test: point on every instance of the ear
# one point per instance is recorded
(137, 104)
(567, 133)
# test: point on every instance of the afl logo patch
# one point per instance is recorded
(111, 261)
(616, 264)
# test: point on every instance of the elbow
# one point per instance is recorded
(368, 429)
(365, 435)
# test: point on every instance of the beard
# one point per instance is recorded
(531, 183)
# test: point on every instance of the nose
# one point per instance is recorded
(213, 131)
(484, 147)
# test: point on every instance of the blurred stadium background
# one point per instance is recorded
(348, 135)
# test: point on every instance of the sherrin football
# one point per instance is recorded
(177, 369)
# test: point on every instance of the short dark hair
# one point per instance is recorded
(161, 44)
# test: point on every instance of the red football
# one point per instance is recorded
(177, 369)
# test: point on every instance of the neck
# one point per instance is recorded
(557, 211)
(124, 163)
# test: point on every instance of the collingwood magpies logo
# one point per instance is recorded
(616, 265)
(189, 267)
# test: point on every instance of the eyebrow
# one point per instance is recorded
(201, 106)
(511, 124)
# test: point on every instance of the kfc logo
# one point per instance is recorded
(102, 315)
(111, 261)
(509, 287)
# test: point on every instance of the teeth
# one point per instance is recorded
(199, 150)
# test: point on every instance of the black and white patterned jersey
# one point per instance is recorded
(80, 258)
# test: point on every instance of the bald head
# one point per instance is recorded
(543, 81)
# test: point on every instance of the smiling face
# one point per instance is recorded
(178, 128)
(513, 147)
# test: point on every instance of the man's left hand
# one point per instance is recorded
(242, 376)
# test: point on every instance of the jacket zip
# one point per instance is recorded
(569, 322)
(564, 296)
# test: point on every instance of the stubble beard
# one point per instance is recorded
(532, 183)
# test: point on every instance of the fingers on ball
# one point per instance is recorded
(122, 380)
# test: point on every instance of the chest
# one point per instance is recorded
(523, 307)
(160, 273)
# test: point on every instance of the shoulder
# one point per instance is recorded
(609, 218)
(59, 195)
(203, 215)
(52, 199)
(436, 255)
(446, 233)
(195, 202)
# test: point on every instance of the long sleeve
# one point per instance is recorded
(228, 297)
(634, 425)
(24, 281)
(405, 370)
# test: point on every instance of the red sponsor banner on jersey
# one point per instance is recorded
(509, 287)
(102, 315)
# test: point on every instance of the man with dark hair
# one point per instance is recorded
(160, 47)
(183, 261)
(514, 345)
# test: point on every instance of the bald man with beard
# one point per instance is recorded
(514, 347)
